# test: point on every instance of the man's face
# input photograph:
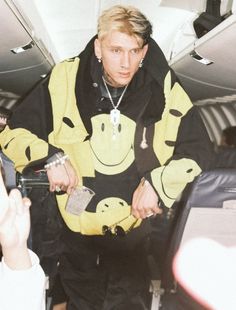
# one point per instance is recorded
(121, 55)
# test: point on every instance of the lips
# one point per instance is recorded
(125, 75)
(122, 72)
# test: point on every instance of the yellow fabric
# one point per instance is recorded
(9, 140)
(62, 85)
(70, 139)
(167, 128)
(170, 180)
(113, 155)
(89, 223)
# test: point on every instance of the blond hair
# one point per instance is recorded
(125, 19)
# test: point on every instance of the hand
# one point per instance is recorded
(14, 218)
(145, 201)
(63, 177)
(199, 265)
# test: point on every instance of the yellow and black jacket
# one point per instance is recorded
(160, 136)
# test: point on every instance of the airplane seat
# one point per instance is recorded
(9, 171)
(156, 252)
(208, 209)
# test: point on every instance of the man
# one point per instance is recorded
(22, 280)
(225, 155)
(116, 120)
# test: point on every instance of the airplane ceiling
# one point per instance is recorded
(47, 32)
(66, 26)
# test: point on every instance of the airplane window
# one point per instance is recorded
(219, 116)
(212, 126)
(230, 112)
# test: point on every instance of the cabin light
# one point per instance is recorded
(200, 59)
(21, 49)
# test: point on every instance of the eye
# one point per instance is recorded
(119, 127)
(115, 50)
(135, 51)
(103, 127)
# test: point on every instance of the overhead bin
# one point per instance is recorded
(207, 68)
(22, 59)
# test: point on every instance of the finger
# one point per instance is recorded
(156, 210)
(4, 198)
(26, 202)
(139, 211)
(134, 209)
(143, 207)
(74, 181)
(51, 184)
(138, 192)
(136, 198)
(52, 188)
(136, 201)
(71, 188)
(3, 191)
(15, 196)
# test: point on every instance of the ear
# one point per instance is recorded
(97, 48)
(144, 50)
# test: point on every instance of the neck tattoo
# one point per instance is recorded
(114, 113)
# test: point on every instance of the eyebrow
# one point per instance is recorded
(121, 47)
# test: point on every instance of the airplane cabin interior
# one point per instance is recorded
(198, 40)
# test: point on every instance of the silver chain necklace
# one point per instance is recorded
(114, 113)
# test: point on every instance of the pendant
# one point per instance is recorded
(115, 117)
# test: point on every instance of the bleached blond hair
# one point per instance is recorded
(125, 19)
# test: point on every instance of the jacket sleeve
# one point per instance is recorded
(193, 153)
(25, 140)
(22, 289)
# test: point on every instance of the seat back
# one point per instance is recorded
(208, 211)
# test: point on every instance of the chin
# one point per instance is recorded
(122, 82)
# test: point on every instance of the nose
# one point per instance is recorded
(125, 61)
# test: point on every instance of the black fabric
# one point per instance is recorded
(179, 301)
(35, 104)
(143, 102)
(57, 292)
(209, 19)
(148, 80)
(120, 185)
(46, 228)
(204, 23)
(189, 142)
(96, 277)
(225, 157)
(143, 153)
(45, 237)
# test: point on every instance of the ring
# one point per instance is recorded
(57, 189)
(149, 214)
